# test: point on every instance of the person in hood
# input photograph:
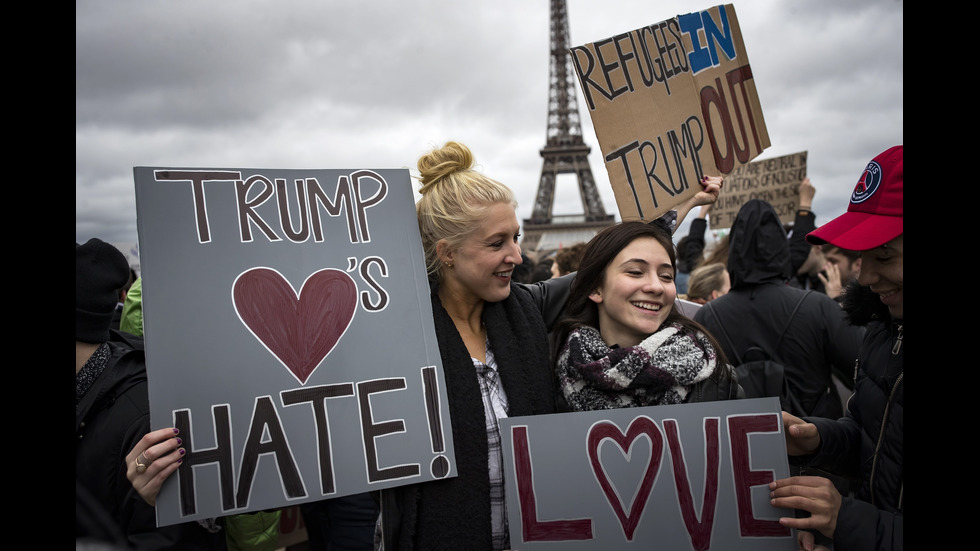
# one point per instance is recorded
(757, 309)
(867, 442)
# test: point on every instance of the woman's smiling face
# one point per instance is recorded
(637, 293)
(484, 262)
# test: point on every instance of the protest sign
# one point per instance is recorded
(289, 336)
(687, 476)
(671, 102)
(776, 181)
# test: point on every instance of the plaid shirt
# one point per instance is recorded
(495, 407)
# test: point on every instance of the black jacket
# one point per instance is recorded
(818, 340)
(867, 443)
(455, 513)
(690, 250)
(110, 419)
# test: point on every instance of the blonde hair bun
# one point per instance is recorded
(441, 163)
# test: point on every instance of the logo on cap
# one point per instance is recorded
(868, 183)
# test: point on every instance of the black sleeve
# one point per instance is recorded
(694, 245)
(799, 247)
(550, 295)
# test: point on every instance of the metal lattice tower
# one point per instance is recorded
(565, 151)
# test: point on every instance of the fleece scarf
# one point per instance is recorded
(454, 513)
(661, 370)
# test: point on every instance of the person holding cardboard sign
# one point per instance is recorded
(867, 442)
(111, 410)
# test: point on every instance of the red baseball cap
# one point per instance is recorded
(874, 216)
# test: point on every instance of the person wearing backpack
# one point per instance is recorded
(867, 442)
(764, 318)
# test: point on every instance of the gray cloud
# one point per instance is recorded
(331, 84)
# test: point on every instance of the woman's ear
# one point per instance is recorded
(595, 296)
(444, 252)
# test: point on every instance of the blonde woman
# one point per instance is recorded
(708, 282)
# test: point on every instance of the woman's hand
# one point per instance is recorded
(154, 458)
(710, 189)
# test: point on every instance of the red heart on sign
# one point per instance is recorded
(639, 426)
(300, 329)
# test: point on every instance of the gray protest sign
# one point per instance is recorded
(687, 476)
(289, 336)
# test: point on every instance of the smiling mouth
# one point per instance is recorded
(503, 274)
(647, 306)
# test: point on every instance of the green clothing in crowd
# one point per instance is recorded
(132, 313)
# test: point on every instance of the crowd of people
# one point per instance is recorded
(603, 329)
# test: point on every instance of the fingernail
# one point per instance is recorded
(176, 431)
(181, 451)
(179, 441)
(181, 460)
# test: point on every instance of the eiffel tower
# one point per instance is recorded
(564, 152)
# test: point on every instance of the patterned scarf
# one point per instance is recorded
(660, 370)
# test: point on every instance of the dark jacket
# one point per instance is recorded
(799, 248)
(799, 251)
(112, 416)
(717, 388)
(454, 513)
(867, 443)
(690, 249)
(757, 310)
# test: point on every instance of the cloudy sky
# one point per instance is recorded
(330, 84)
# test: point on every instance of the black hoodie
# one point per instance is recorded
(818, 339)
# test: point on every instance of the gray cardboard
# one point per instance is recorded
(611, 479)
(289, 335)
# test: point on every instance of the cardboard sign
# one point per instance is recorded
(689, 476)
(289, 336)
(671, 102)
(776, 181)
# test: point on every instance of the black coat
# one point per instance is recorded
(867, 443)
(110, 419)
(818, 341)
(455, 513)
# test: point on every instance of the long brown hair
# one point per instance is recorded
(600, 251)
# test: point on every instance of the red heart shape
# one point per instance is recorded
(639, 426)
(300, 329)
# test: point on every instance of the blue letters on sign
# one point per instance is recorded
(701, 56)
